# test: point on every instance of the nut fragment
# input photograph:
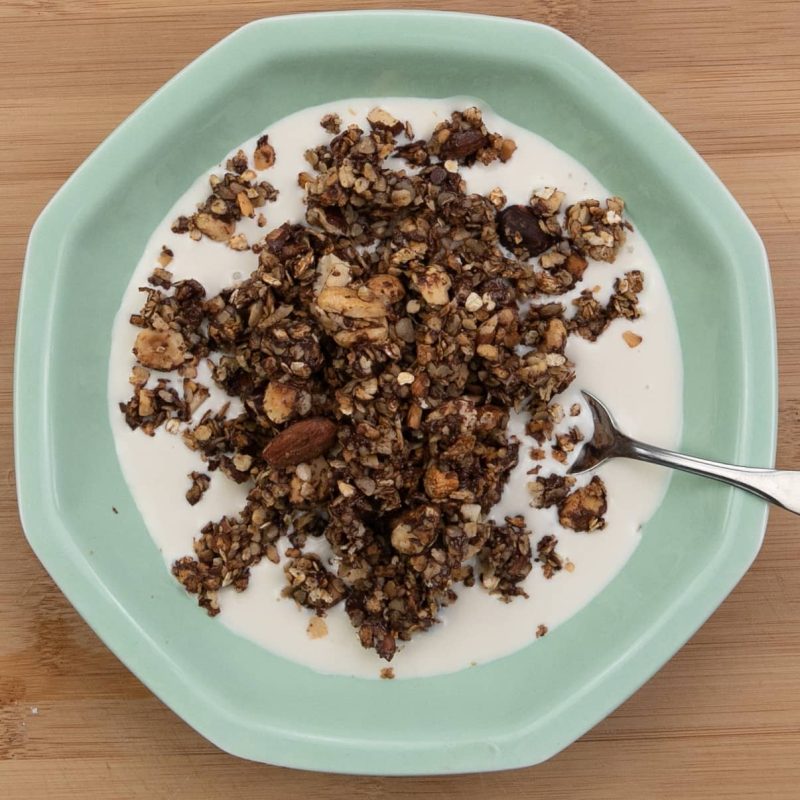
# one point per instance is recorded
(546, 201)
(383, 120)
(434, 285)
(245, 204)
(350, 303)
(405, 378)
(415, 530)
(219, 230)
(332, 271)
(264, 155)
(389, 288)
(631, 339)
(165, 256)
(555, 337)
(473, 302)
(280, 400)
(370, 334)
(317, 628)
(439, 484)
(162, 350)
(238, 242)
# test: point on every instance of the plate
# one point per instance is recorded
(513, 712)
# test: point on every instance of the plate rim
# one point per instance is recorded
(68, 567)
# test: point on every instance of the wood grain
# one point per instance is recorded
(721, 720)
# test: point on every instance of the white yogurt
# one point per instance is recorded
(643, 386)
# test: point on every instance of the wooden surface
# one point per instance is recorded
(721, 720)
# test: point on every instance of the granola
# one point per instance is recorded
(375, 355)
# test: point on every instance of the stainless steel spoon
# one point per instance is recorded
(780, 487)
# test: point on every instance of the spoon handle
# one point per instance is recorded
(780, 487)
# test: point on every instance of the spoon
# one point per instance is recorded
(780, 487)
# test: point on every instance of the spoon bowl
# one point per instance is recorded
(780, 487)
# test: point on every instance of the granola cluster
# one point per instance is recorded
(376, 352)
(235, 195)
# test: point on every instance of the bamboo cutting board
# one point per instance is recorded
(721, 720)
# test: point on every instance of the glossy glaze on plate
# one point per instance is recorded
(491, 717)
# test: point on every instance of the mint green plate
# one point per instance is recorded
(512, 712)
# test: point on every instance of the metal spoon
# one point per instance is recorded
(780, 487)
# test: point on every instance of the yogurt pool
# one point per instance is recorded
(642, 385)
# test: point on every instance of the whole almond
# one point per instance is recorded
(303, 441)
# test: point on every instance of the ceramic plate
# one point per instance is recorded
(512, 712)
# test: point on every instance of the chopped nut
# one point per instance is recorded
(383, 120)
(440, 484)
(473, 302)
(547, 201)
(346, 489)
(245, 204)
(387, 287)
(373, 334)
(405, 378)
(161, 277)
(162, 350)
(350, 303)
(434, 286)
(165, 256)
(238, 242)
(415, 530)
(317, 628)
(264, 155)
(215, 228)
(497, 197)
(332, 271)
(332, 123)
(280, 400)
(632, 339)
